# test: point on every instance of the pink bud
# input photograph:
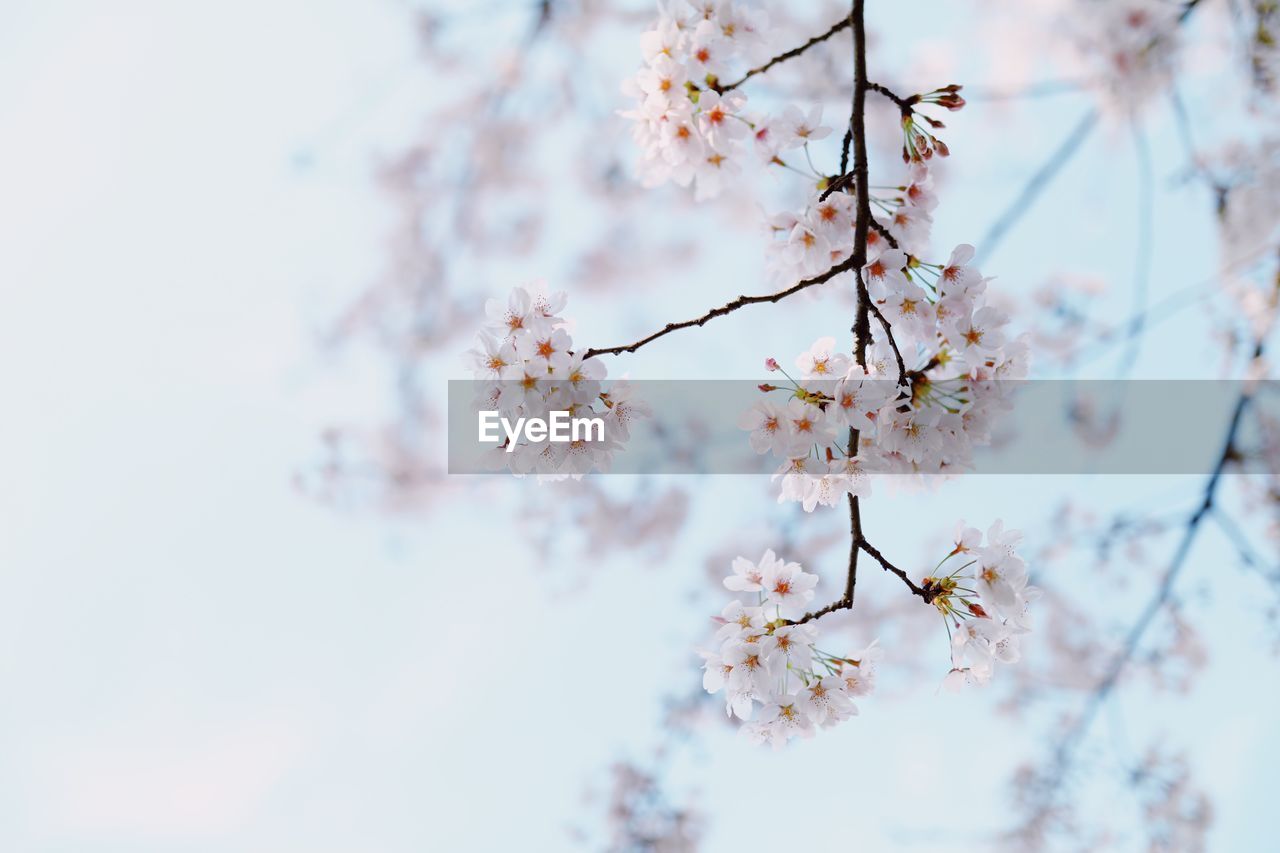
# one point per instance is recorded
(771, 364)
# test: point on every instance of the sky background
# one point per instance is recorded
(196, 657)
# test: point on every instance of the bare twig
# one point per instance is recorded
(727, 308)
(843, 23)
(906, 105)
(884, 232)
(915, 588)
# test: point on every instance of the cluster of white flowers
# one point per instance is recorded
(688, 131)
(767, 659)
(956, 354)
(984, 602)
(821, 235)
(528, 369)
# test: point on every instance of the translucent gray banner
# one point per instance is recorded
(1043, 427)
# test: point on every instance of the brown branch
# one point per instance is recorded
(858, 124)
(905, 105)
(884, 232)
(927, 594)
(838, 604)
(855, 532)
(783, 57)
(845, 602)
(859, 543)
(893, 343)
(862, 323)
(727, 308)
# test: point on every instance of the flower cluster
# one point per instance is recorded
(528, 368)
(924, 419)
(689, 129)
(919, 141)
(767, 659)
(983, 601)
(822, 235)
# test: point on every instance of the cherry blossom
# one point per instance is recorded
(687, 131)
(528, 367)
(769, 660)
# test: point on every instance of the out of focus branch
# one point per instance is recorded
(1051, 167)
(1248, 554)
(1031, 191)
(1144, 252)
(1064, 755)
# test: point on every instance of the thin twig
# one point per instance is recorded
(906, 105)
(884, 232)
(915, 588)
(727, 308)
(783, 57)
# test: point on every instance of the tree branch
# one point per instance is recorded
(727, 308)
(906, 105)
(1051, 168)
(1064, 755)
(857, 126)
(884, 232)
(916, 589)
(1031, 191)
(783, 57)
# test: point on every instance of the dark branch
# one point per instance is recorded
(884, 232)
(783, 57)
(857, 125)
(915, 588)
(728, 308)
(893, 343)
(851, 579)
(906, 105)
(855, 532)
